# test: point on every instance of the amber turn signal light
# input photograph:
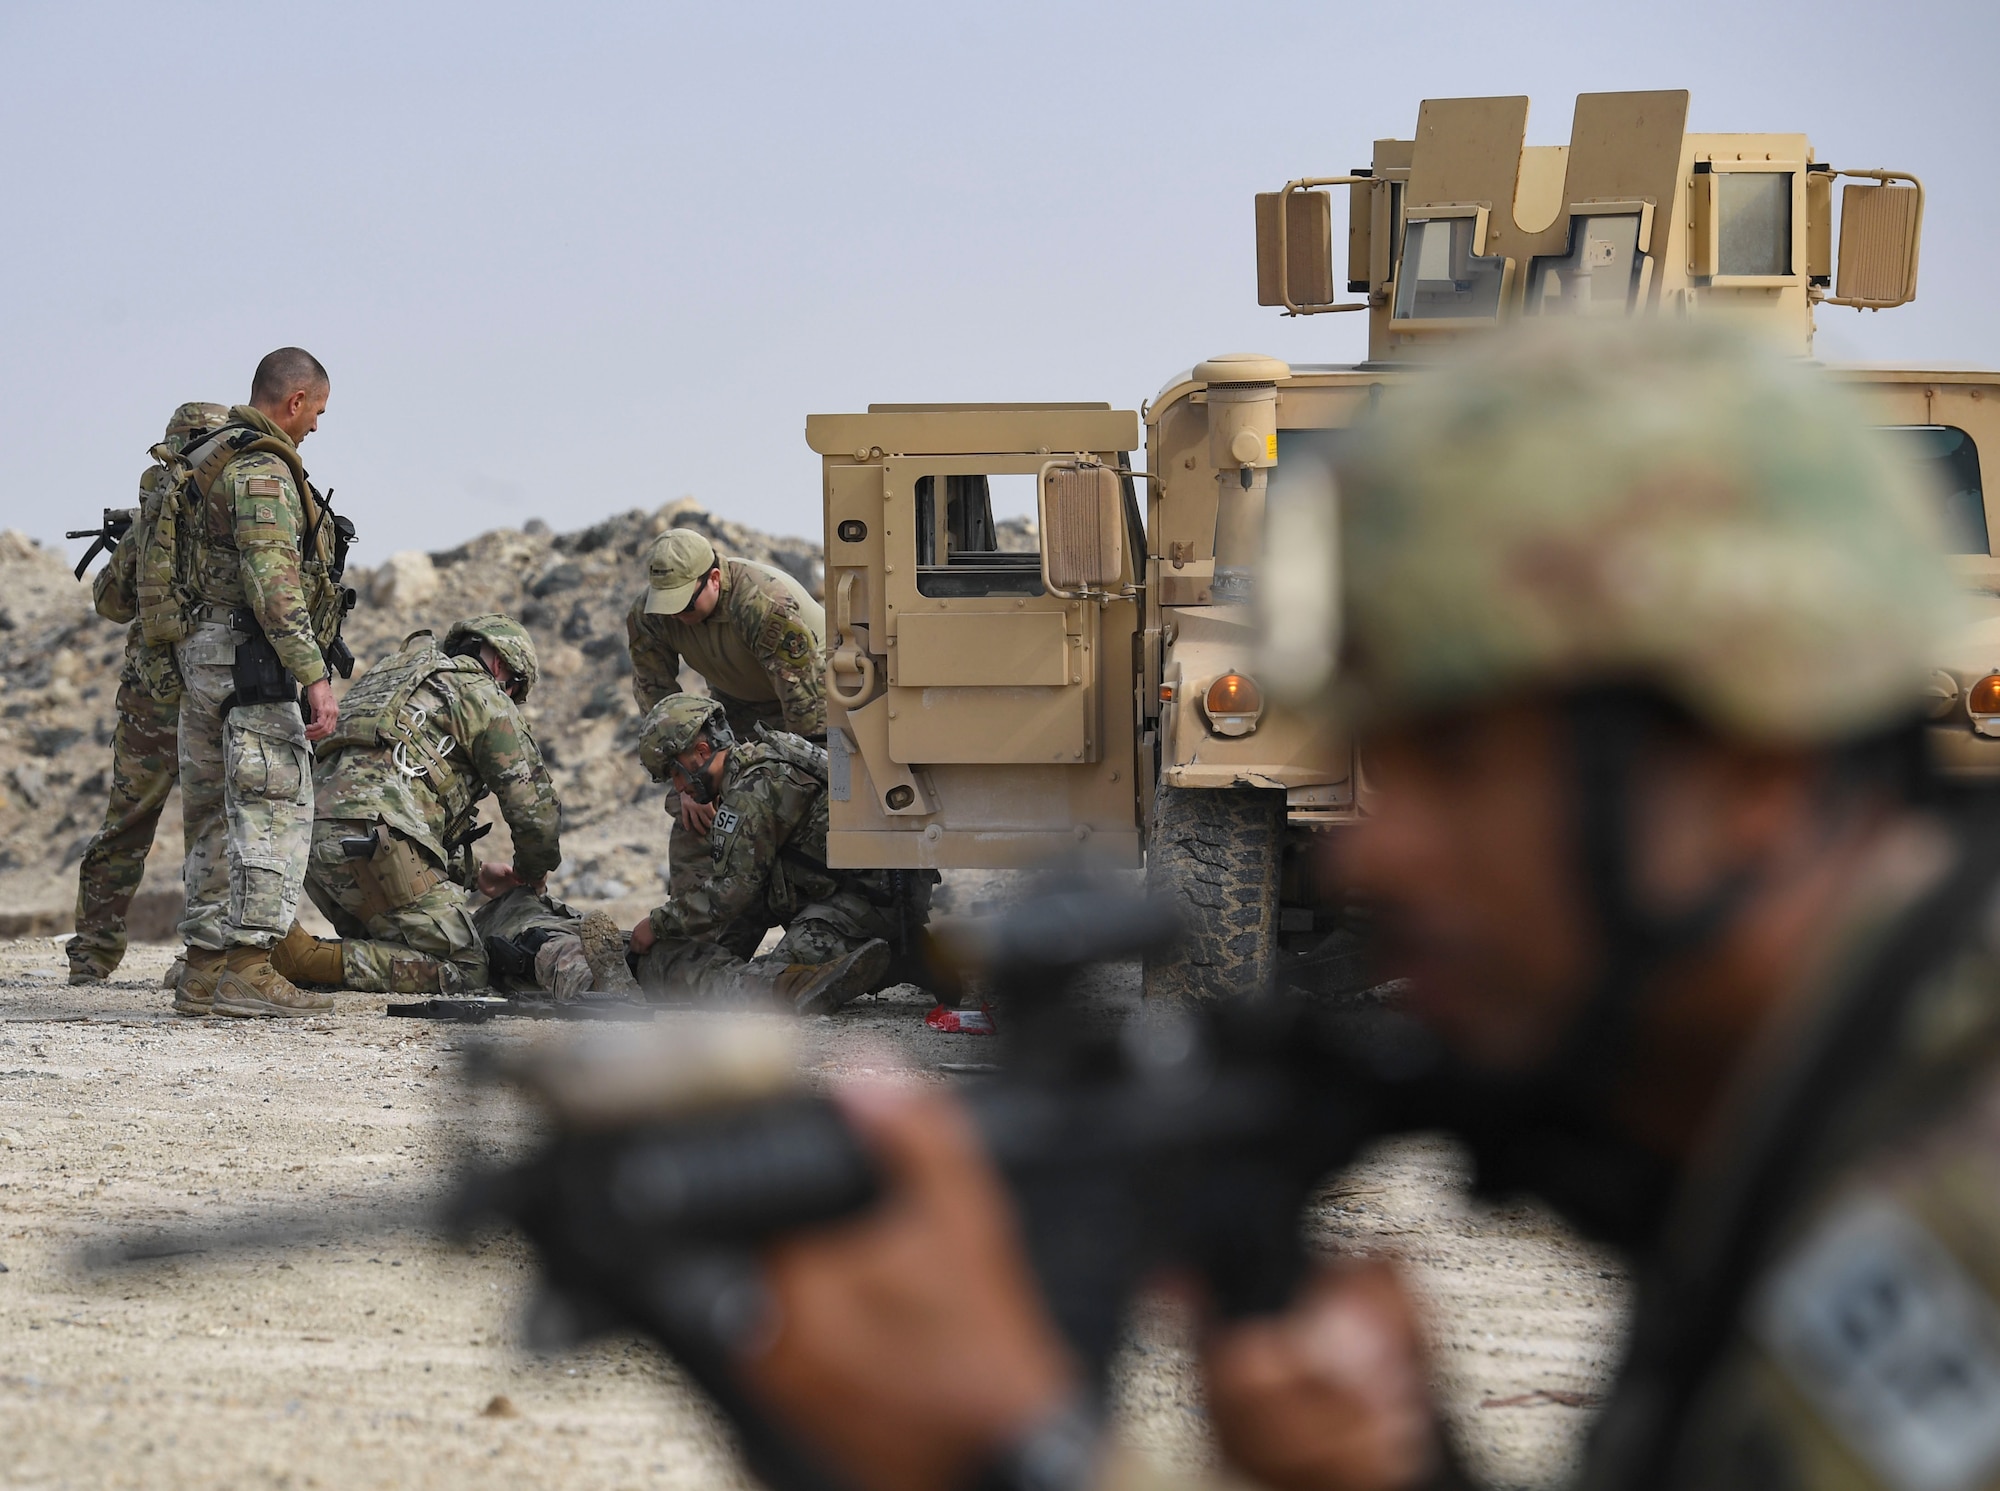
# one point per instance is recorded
(1234, 694)
(1984, 696)
(1233, 705)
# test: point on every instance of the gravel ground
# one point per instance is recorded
(389, 1358)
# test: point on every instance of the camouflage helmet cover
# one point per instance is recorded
(508, 638)
(1674, 507)
(671, 727)
(194, 419)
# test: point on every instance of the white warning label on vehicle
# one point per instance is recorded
(1894, 1344)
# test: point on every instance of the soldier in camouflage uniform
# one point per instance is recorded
(424, 736)
(1638, 635)
(766, 867)
(145, 751)
(535, 944)
(756, 638)
(258, 576)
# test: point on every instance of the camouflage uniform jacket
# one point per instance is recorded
(761, 645)
(485, 746)
(1824, 1307)
(767, 849)
(115, 592)
(255, 526)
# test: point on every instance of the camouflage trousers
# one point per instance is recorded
(400, 933)
(246, 798)
(723, 973)
(521, 916)
(145, 760)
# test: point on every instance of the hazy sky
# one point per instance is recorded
(565, 260)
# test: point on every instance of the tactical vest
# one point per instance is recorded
(182, 567)
(881, 887)
(795, 750)
(380, 713)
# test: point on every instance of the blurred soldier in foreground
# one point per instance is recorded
(1638, 632)
(754, 635)
(423, 736)
(252, 585)
(145, 751)
(766, 868)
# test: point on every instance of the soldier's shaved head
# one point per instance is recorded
(283, 373)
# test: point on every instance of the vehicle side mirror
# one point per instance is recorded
(1881, 231)
(1295, 244)
(1083, 529)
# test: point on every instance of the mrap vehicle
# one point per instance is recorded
(1094, 699)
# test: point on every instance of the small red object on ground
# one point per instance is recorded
(961, 1022)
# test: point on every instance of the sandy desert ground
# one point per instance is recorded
(390, 1358)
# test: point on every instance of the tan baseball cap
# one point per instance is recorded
(675, 567)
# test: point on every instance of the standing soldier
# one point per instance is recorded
(145, 754)
(766, 867)
(424, 735)
(753, 634)
(252, 573)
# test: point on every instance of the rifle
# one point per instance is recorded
(117, 523)
(339, 656)
(1187, 1139)
(1171, 1139)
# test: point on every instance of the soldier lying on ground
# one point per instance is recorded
(1638, 639)
(766, 867)
(535, 944)
(754, 635)
(423, 736)
(145, 742)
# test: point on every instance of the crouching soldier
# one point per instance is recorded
(424, 735)
(766, 867)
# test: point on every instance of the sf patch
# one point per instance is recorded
(1886, 1335)
(726, 820)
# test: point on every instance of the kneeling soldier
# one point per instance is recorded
(767, 867)
(424, 735)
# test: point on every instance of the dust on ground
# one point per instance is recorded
(389, 1359)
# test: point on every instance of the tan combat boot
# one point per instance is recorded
(248, 986)
(306, 959)
(822, 988)
(194, 990)
(604, 944)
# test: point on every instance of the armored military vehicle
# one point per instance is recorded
(1095, 698)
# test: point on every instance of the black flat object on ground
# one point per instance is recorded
(478, 1009)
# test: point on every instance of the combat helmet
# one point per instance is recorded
(507, 637)
(1669, 508)
(671, 727)
(191, 420)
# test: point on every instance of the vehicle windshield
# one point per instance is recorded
(1949, 462)
(1441, 279)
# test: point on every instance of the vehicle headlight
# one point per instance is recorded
(1234, 704)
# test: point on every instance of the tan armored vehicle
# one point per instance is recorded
(1093, 696)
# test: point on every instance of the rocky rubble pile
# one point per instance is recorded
(59, 671)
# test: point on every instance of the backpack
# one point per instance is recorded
(170, 531)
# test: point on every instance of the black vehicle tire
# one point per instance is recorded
(1214, 855)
